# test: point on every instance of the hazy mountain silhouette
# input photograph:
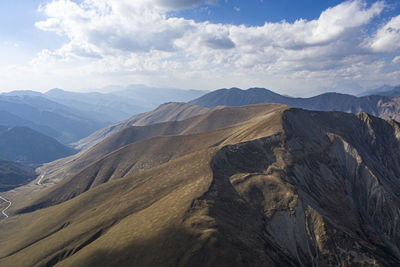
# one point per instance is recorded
(385, 90)
(263, 185)
(48, 117)
(153, 96)
(98, 106)
(27, 146)
(13, 174)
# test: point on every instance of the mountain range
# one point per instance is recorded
(385, 90)
(225, 180)
(46, 116)
(236, 186)
(26, 146)
(71, 116)
(382, 106)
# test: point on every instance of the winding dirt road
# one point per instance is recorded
(9, 204)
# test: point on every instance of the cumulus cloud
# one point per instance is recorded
(140, 39)
(387, 38)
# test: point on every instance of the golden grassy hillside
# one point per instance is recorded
(285, 187)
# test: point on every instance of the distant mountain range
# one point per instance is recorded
(71, 116)
(259, 185)
(386, 90)
(381, 106)
(117, 103)
(13, 174)
(24, 145)
(46, 116)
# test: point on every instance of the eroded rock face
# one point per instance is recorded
(325, 192)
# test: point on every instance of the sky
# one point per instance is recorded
(299, 48)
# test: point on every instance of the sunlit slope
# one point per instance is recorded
(217, 118)
(152, 152)
(166, 112)
(291, 188)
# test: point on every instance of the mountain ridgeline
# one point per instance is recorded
(260, 185)
(386, 107)
(71, 116)
(166, 112)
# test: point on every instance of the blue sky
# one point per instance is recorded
(256, 12)
(293, 47)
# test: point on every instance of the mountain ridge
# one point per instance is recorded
(381, 106)
(296, 188)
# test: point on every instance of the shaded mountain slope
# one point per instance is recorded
(6, 118)
(13, 174)
(214, 119)
(27, 146)
(381, 106)
(165, 112)
(304, 189)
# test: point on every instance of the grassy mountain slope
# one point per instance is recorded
(289, 188)
(381, 106)
(166, 112)
(214, 119)
(152, 152)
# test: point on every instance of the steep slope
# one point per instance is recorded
(295, 188)
(166, 112)
(381, 106)
(58, 121)
(27, 146)
(214, 119)
(13, 174)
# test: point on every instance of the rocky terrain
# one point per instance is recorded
(277, 187)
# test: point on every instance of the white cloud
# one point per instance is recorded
(138, 41)
(387, 38)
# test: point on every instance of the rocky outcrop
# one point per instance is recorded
(323, 193)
